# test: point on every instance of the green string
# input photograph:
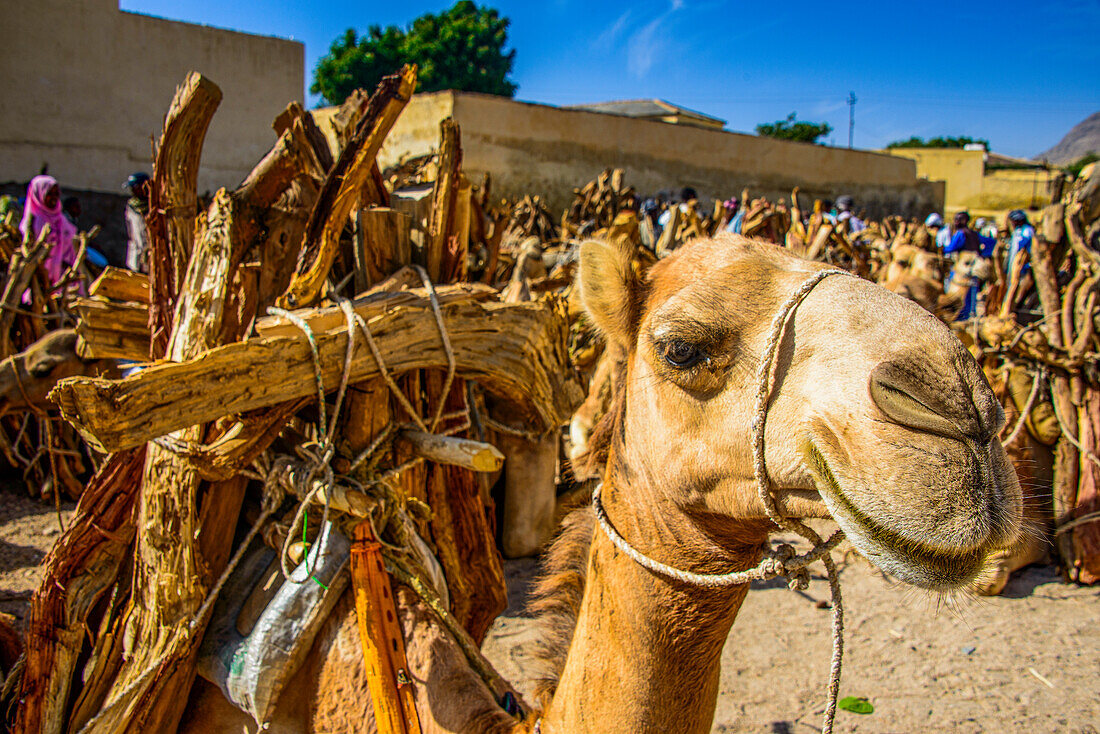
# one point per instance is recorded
(305, 544)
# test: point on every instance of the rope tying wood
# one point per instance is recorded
(782, 561)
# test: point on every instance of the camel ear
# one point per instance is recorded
(609, 288)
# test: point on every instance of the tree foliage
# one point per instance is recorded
(461, 48)
(790, 129)
(938, 142)
(1080, 163)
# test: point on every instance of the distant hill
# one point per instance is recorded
(1083, 139)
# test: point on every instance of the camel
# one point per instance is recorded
(27, 377)
(877, 418)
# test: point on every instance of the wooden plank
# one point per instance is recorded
(518, 351)
(120, 284)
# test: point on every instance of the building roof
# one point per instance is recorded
(657, 109)
(1004, 161)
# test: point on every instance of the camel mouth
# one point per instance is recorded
(908, 559)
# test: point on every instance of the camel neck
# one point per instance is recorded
(646, 653)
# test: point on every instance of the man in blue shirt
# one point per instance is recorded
(1022, 236)
(967, 240)
(1018, 259)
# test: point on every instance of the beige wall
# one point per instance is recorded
(970, 186)
(85, 88)
(531, 148)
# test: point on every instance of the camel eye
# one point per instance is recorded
(681, 354)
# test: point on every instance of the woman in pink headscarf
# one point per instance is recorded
(44, 208)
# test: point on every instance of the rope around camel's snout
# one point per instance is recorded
(782, 561)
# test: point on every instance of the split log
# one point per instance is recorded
(173, 198)
(119, 284)
(78, 571)
(101, 344)
(383, 244)
(344, 186)
(444, 194)
(119, 316)
(371, 305)
(517, 351)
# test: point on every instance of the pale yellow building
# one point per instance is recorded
(980, 181)
(85, 87)
(539, 149)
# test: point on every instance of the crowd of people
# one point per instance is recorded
(45, 207)
(946, 240)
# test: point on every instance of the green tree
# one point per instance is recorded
(938, 142)
(461, 48)
(1080, 163)
(789, 129)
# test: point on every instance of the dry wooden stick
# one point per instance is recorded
(343, 188)
(79, 570)
(172, 198)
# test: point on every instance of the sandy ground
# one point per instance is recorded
(28, 529)
(1027, 661)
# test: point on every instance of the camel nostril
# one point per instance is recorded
(910, 393)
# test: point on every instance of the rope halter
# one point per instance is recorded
(782, 561)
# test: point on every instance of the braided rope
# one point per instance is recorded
(782, 561)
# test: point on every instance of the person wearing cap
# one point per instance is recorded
(844, 213)
(937, 231)
(137, 207)
(941, 233)
(1018, 257)
(1019, 245)
(967, 240)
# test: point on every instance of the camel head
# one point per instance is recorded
(878, 417)
(32, 373)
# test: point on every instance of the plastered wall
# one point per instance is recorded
(85, 88)
(970, 186)
(530, 148)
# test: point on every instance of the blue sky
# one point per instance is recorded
(1019, 74)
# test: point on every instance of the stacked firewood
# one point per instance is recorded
(1060, 356)
(265, 395)
(596, 204)
(529, 217)
(46, 452)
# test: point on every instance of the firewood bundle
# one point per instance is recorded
(529, 217)
(596, 204)
(1061, 357)
(48, 454)
(265, 394)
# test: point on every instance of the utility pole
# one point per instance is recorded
(851, 116)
